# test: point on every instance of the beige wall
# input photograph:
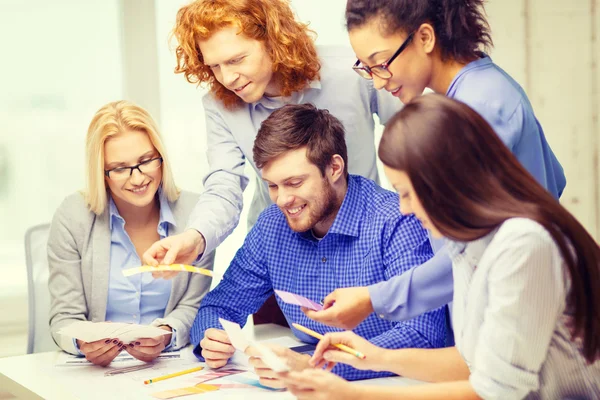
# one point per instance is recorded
(552, 47)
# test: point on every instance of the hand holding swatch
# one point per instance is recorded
(298, 300)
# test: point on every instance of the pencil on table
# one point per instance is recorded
(173, 375)
(340, 346)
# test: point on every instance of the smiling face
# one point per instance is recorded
(306, 197)
(409, 202)
(128, 148)
(411, 70)
(240, 64)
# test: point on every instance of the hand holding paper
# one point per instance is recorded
(217, 348)
(236, 336)
(239, 341)
(101, 352)
(93, 331)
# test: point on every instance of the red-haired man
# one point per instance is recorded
(256, 57)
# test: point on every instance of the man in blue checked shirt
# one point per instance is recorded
(327, 229)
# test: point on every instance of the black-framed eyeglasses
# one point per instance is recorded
(381, 70)
(144, 167)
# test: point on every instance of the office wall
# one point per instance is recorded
(552, 47)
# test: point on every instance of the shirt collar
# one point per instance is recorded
(273, 103)
(483, 60)
(165, 216)
(473, 250)
(348, 218)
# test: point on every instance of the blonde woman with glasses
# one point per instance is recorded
(130, 202)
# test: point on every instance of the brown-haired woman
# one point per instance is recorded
(526, 273)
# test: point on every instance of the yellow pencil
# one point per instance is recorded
(173, 375)
(340, 346)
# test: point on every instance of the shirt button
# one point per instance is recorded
(324, 259)
(381, 316)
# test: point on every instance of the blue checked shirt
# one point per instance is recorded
(369, 241)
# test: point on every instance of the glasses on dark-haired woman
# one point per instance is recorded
(381, 70)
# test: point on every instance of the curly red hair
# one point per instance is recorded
(289, 43)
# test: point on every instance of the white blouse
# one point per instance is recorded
(510, 322)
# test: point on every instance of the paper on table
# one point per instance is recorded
(92, 331)
(298, 300)
(236, 336)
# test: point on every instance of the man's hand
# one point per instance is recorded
(216, 347)
(177, 249)
(268, 377)
(100, 352)
(343, 308)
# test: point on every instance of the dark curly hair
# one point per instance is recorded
(460, 26)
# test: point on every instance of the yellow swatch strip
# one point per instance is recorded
(172, 267)
(200, 388)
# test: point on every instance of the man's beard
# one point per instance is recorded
(318, 210)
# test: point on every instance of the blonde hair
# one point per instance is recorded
(110, 120)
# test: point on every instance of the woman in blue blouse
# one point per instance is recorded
(130, 202)
(526, 273)
(406, 46)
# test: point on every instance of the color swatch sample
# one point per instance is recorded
(298, 300)
(186, 391)
(252, 382)
(172, 267)
(216, 374)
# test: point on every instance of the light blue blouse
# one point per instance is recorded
(499, 99)
(137, 299)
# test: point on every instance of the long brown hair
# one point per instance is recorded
(290, 43)
(469, 183)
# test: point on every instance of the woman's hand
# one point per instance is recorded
(317, 384)
(325, 352)
(100, 352)
(147, 349)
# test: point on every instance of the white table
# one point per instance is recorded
(35, 376)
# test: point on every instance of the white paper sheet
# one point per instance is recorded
(126, 333)
(239, 341)
(236, 336)
(124, 358)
